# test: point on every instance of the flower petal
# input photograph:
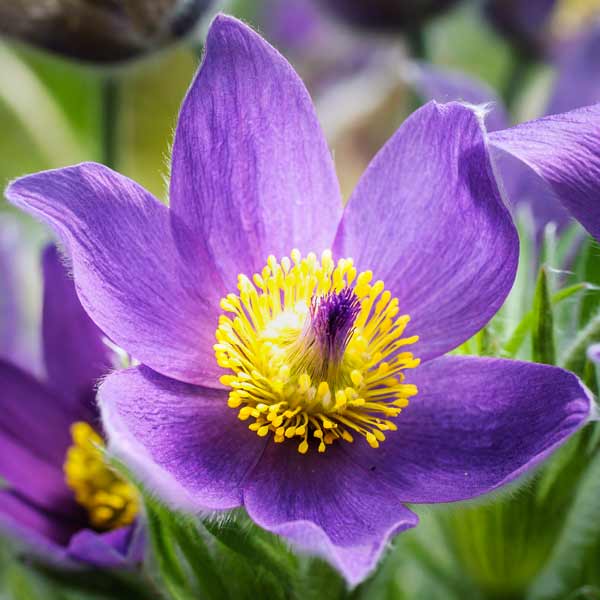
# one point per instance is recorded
(129, 275)
(74, 353)
(183, 441)
(32, 415)
(251, 172)
(36, 480)
(476, 424)
(34, 437)
(327, 505)
(444, 85)
(119, 548)
(31, 525)
(564, 150)
(427, 218)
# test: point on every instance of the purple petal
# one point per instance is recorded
(34, 437)
(183, 441)
(564, 150)
(36, 480)
(444, 85)
(251, 173)
(33, 416)
(327, 505)
(427, 218)
(74, 353)
(128, 272)
(525, 188)
(65, 544)
(119, 548)
(476, 424)
(36, 528)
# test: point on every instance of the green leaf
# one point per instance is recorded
(516, 340)
(581, 533)
(542, 334)
(227, 559)
(164, 552)
(513, 310)
(590, 303)
(257, 546)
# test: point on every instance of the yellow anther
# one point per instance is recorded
(263, 430)
(356, 377)
(294, 383)
(110, 501)
(233, 401)
(372, 440)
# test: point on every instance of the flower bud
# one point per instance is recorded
(100, 31)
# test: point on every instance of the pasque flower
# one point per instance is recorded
(59, 497)
(291, 349)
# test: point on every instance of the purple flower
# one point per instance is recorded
(527, 181)
(47, 459)
(286, 389)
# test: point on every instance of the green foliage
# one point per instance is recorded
(542, 335)
(231, 558)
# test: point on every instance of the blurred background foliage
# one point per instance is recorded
(539, 540)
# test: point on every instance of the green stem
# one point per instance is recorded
(417, 43)
(110, 120)
(517, 76)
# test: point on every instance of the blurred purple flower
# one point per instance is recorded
(36, 504)
(321, 372)
(577, 85)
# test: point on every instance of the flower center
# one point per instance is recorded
(316, 352)
(111, 502)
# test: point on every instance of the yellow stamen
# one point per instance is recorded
(293, 383)
(111, 502)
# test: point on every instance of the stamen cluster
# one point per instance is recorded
(111, 502)
(315, 349)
